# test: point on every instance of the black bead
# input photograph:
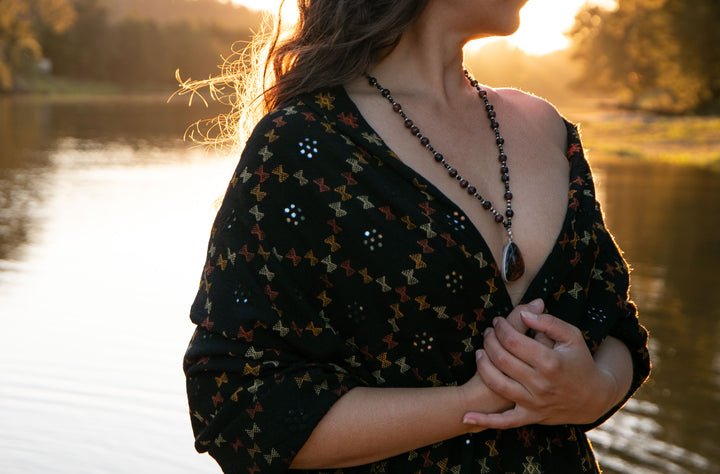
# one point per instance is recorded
(511, 253)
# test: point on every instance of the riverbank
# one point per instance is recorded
(609, 134)
(53, 87)
(612, 135)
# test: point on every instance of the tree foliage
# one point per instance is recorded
(657, 54)
(132, 43)
(22, 23)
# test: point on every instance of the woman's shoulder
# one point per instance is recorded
(304, 111)
(535, 113)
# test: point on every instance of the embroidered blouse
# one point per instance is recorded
(332, 265)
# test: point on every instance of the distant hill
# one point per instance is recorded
(225, 14)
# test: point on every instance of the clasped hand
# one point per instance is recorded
(548, 379)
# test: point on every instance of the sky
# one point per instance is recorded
(542, 21)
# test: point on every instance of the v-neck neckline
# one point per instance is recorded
(382, 150)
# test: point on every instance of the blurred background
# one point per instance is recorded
(105, 214)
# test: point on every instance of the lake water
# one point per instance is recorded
(104, 219)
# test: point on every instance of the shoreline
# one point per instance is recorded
(610, 134)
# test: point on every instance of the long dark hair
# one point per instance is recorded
(335, 41)
(332, 42)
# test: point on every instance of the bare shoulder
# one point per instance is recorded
(534, 113)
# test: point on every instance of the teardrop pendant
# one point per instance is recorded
(513, 265)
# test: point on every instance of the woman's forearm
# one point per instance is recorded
(614, 359)
(370, 424)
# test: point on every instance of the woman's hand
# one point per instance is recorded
(475, 392)
(552, 379)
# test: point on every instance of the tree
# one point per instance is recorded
(81, 51)
(657, 54)
(134, 47)
(22, 22)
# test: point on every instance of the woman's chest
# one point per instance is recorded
(473, 178)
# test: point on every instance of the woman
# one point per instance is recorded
(409, 271)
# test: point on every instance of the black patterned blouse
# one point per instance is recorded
(332, 265)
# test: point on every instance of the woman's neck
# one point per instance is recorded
(426, 63)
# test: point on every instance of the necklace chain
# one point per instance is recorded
(513, 265)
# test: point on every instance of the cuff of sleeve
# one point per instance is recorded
(269, 435)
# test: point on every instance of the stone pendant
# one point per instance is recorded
(513, 265)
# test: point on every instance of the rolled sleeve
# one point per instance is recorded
(264, 364)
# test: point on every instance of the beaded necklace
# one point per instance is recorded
(513, 265)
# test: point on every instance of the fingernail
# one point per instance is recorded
(469, 421)
(478, 355)
(537, 304)
(528, 315)
(495, 321)
(487, 331)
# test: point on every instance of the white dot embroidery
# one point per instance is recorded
(293, 215)
(372, 239)
(308, 148)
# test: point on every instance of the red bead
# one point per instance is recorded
(498, 218)
(396, 107)
(471, 190)
(464, 183)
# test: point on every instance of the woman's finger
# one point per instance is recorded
(498, 380)
(555, 328)
(522, 347)
(513, 418)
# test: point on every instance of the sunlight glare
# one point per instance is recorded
(542, 27)
(271, 6)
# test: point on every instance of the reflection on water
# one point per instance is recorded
(666, 219)
(104, 216)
